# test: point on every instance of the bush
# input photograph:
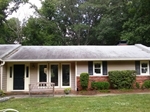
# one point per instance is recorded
(84, 80)
(122, 79)
(146, 84)
(137, 85)
(1, 93)
(100, 85)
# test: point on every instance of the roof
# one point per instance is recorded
(6, 49)
(79, 53)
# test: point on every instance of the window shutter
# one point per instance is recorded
(90, 67)
(104, 63)
(149, 67)
(137, 67)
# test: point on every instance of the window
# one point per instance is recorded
(66, 75)
(54, 74)
(42, 73)
(97, 68)
(144, 68)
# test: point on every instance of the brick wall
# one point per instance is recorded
(139, 79)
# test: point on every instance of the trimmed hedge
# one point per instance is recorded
(84, 80)
(122, 79)
(146, 84)
(100, 85)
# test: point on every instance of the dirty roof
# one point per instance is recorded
(52, 53)
(6, 49)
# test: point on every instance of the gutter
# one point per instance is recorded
(1, 76)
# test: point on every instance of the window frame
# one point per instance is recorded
(58, 73)
(38, 78)
(147, 73)
(62, 76)
(101, 69)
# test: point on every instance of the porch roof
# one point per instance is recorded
(80, 53)
(6, 49)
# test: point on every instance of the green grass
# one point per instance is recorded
(118, 103)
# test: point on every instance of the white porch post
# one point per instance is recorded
(1, 76)
(1, 67)
(75, 76)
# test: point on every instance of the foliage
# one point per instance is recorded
(100, 85)
(1, 93)
(136, 28)
(67, 90)
(84, 80)
(146, 84)
(122, 79)
(137, 85)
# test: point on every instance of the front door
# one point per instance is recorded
(19, 71)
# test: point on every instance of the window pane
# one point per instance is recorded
(144, 64)
(97, 65)
(42, 73)
(144, 70)
(98, 71)
(66, 75)
(54, 74)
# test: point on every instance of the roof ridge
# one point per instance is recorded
(11, 52)
(143, 47)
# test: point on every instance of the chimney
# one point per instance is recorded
(122, 43)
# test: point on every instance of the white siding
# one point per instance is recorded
(82, 67)
(121, 65)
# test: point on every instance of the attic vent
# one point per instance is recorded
(122, 42)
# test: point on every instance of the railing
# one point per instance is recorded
(42, 87)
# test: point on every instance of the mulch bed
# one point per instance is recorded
(112, 91)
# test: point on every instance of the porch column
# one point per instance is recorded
(1, 67)
(75, 76)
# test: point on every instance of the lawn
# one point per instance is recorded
(118, 103)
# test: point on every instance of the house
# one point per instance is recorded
(22, 65)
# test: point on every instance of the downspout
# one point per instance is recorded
(1, 66)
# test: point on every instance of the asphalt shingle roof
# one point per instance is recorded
(5, 49)
(128, 52)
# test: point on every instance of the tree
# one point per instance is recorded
(76, 19)
(5, 10)
(136, 29)
(38, 31)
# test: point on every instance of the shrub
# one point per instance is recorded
(146, 84)
(137, 85)
(100, 85)
(122, 79)
(1, 93)
(84, 80)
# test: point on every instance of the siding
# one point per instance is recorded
(73, 75)
(0, 76)
(121, 65)
(4, 85)
(82, 67)
(33, 73)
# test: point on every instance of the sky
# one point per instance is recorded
(25, 11)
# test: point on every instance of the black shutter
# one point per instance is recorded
(104, 63)
(137, 67)
(149, 67)
(90, 67)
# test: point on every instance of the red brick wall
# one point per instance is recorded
(139, 79)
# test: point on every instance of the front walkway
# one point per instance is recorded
(73, 95)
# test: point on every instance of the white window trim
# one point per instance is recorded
(61, 75)
(147, 67)
(46, 72)
(96, 74)
(58, 73)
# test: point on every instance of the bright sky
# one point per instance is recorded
(25, 11)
